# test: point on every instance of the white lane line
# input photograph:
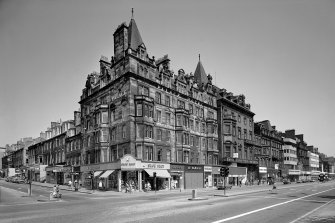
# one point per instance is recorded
(262, 209)
(311, 211)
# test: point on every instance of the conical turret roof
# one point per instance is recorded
(200, 75)
(134, 36)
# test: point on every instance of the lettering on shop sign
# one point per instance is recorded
(194, 168)
(128, 164)
(155, 166)
(207, 169)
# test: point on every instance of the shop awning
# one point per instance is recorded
(107, 173)
(97, 173)
(159, 173)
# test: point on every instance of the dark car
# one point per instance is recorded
(286, 181)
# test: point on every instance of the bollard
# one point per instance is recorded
(29, 189)
(194, 194)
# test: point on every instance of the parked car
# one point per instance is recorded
(9, 179)
(286, 181)
(299, 181)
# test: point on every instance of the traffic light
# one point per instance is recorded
(154, 174)
(222, 171)
(226, 172)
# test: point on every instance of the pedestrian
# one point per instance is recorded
(54, 191)
(100, 185)
(70, 183)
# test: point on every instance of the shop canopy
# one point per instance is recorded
(107, 173)
(97, 173)
(159, 173)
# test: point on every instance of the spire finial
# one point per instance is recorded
(199, 57)
(132, 13)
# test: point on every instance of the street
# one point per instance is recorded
(290, 203)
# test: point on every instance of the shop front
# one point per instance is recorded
(55, 174)
(194, 176)
(125, 175)
(262, 175)
(293, 175)
(237, 175)
(208, 176)
(177, 173)
(163, 177)
(216, 175)
(95, 174)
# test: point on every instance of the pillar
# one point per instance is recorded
(119, 180)
(139, 180)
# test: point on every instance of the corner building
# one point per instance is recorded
(138, 117)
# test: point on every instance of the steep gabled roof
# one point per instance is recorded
(200, 75)
(134, 36)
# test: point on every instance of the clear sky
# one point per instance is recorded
(279, 54)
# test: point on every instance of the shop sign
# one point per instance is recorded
(216, 170)
(128, 162)
(102, 166)
(194, 168)
(262, 169)
(208, 169)
(293, 172)
(155, 166)
(176, 168)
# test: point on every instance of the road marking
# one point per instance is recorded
(312, 211)
(262, 209)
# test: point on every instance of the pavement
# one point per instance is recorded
(236, 190)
